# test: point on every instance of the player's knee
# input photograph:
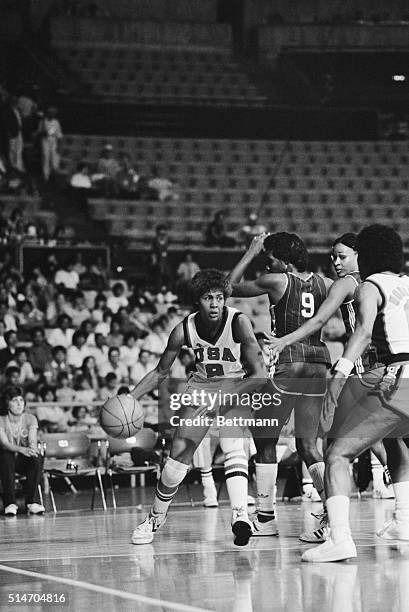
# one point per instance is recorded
(183, 450)
(232, 445)
(337, 455)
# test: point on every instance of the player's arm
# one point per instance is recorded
(155, 377)
(338, 293)
(256, 247)
(273, 284)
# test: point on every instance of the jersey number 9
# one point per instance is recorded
(307, 300)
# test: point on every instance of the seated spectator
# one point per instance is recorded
(144, 364)
(64, 392)
(118, 298)
(67, 278)
(12, 376)
(62, 334)
(100, 307)
(81, 178)
(173, 319)
(58, 305)
(110, 388)
(81, 419)
(104, 327)
(84, 393)
(99, 351)
(185, 272)
(216, 233)
(6, 317)
(162, 188)
(64, 234)
(127, 178)
(26, 372)
(90, 373)
(39, 354)
(79, 310)
(78, 351)
(87, 329)
(107, 168)
(251, 229)
(79, 266)
(99, 274)
(115, 365)
(10, 352)
(129, 351)
(59, 363)
(28, 317)
(115, 336)
(155, 342)
(124, 320)
(19, 453)
(51, 418)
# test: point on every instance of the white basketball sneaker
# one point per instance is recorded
(320, 534)
(210, 501)
(331, 551)
(35, 508)
(145, 532)
(383, 492)
(11, 510)
(394, 530)
(269, 528)
(241, 526)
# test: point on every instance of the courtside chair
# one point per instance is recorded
(60, 449)
(145, 440)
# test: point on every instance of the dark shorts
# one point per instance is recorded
(301, 378)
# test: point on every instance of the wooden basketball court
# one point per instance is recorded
(83, 560)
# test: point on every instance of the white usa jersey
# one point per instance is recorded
(391, 328)
(221, 358)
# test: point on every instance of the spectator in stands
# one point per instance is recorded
(51, 136)
(162, 188)
(129, 351)
(100, 350)
(118, 298)
(10, 353)
(62, 334)
(67, 278)
(6, 317)
(57, 306)
(78, 351)
(82, 419)
(127, 178)
(90, 374)
(79, 266)
(100, 307)
(51, 419)
(216, 233)
(185, 272)
(14, 128)
(108, 168)
(155, 342)
(11, 375)
(64, 392)
(104, 327)
(81, 178)
(161, 269)
(40, 355)
(115, 336)
(110, 388)
(173, 319)
(251, 229)
(99, 274)
(28, 316)
(26, 372)
(59, 363)
(19, 453)
(114, 364)
(87, 328)
(142, 366)
(79, 312)
(84, 392)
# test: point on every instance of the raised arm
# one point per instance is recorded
(256, 247)
(368, 300)
(155, 377)
(338, 293)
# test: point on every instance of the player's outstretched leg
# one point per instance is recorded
(173, 474)
(236, 472)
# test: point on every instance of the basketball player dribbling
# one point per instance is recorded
(222, 339)
(300, 375)
(382, 412)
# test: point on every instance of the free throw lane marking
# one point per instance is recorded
(160, 603)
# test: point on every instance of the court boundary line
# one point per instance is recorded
(162, 603)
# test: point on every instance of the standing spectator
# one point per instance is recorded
(127, 178)
(40, 355)
(62, 335)
(19, 452)
(51, 135)
(118, 298)
(108, 167)
(185, 272)
(159, 257)
(14, 130)
(115, 365)
(78, 351)
(216, 233)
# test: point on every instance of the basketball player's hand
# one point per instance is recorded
(257, 244)
(276, 345)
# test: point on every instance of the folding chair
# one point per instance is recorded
(62, 449)
(144, 440)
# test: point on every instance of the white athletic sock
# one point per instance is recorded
(377, 473)
(236, 470)
(208, 482)
(317, 474)
(172, 475)
(338, 513)
(401, 490)
(266, 477)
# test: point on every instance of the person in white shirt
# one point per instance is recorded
(67, 277)
(62, 335)
(117, 299)
(78, 351)
(141, 367)
(81, 178)
(6, 318)
(130, 350)
(99, 351)
(51, 134)
(115, 365)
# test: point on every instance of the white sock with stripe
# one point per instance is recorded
(209, 487)
(266, 478)
(172, 475)
(236, 472)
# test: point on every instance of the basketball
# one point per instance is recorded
(122, 416)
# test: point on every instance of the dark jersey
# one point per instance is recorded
(300, 302)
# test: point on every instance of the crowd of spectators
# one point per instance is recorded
(70, 348)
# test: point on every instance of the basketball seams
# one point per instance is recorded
(129, 418)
